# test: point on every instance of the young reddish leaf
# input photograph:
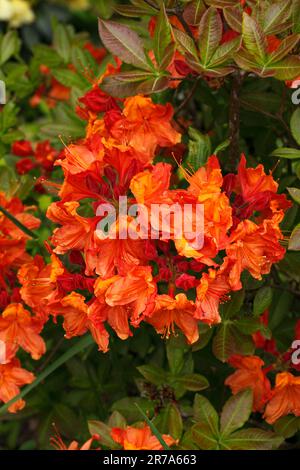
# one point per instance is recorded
(124, 84)
(253, 37)
(185, 43)
(275, 17)
(287, 69)
(124, 43)
(210, 34)
(234, 17)
(225, 52)
(193, 12)
(236, 412)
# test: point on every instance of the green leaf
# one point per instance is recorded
(285, 152)
(254, 38)
(162, 35)
(262, 300)
(250, 325)
(205, 413)
(153, 374)
(127, 84)
(275, 17)
(203, 438)
(223, 345)
(127, 407)
(175, 355)
(279, 309)
(62, 42)
(193, 382)
(287, 44)
(70, 79)
(124, 43)
(233, 16)
(252, 439)
(223, 146)
(236, 412)
(185, 43)
(295, 125)
(199, 146)
(225, 52)
(116, 420)
(294, 241)
(210, 34)
(104, 431)
(175, 425)
(79, 345)
(287, 426)
(9, 45)
(288, 68)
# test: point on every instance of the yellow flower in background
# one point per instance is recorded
(78, 4)
(17, 12)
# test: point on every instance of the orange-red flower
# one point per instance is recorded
(12, 377)
(19, 327)
(211, 291)
(178, 311)
(285, 398)
(132, 438)
(144, 126)
(249, 374)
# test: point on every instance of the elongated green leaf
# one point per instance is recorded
(104, 431)
(162, 35)
(205, 413)
(295, 125)
(193, 382)
(236, 412)
(285, 47)
(124, 43)
(153, 374)
(185, 43)
(202, 437)
(225, 52)
(285, 152)
(287, 69)
(81, 344)
(252, 439)
(254, 38)
(175, 425)
(210, 34)
(294, 241)
(287, 426)
(262, 300)
(275, 17)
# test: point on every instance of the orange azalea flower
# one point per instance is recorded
(15, 207)
(148, 187)
(252, 181)
(136, 290)
(12, 377)
(76, 231)
(285, 398)
(145, 125)
(254, 247)
(80, 158)
(206, 183)
(249, 374)
(59, 444)
(18, 327)
(74, 310)
(169, 312)
(218, 219)
(132, 438)
(211, 291)
(39, 286)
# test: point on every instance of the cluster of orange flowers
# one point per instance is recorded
(19, 328)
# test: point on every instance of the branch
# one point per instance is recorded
(234, 120)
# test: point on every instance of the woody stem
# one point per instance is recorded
(234, 120)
